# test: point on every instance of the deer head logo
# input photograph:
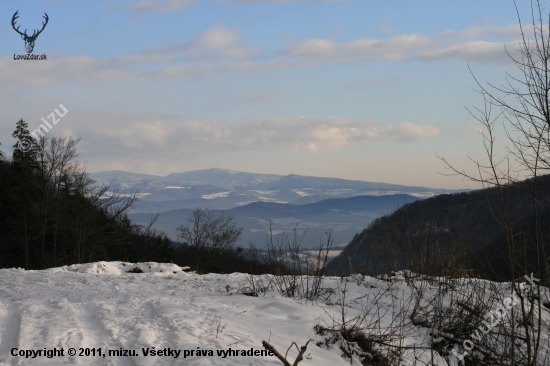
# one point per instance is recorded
(29, 40)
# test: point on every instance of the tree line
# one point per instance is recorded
(53, 214)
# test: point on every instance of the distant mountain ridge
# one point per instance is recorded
(343, 216)
(317, 203)
(222, 177)
(330, 205)
(233, 179)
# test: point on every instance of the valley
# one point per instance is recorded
(264, 204)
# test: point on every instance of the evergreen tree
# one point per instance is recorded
(25, 150)
(51, 213)
(25, 173)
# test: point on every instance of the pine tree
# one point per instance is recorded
(26, 171)
(25, 150)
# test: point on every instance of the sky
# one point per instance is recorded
(358, 89)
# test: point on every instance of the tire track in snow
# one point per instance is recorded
(11, 325)
(94, 335)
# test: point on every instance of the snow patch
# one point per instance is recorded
(215, 195)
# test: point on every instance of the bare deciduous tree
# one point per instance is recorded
(208, 234)
(522, 104)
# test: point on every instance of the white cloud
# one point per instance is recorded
(84, 69)
(87, 69)
(408, 131)
(398, 48)
(473, 129)
(217, 38)
(195, 138)
(215, 44)
(221, 49)
(478, 51)
(506, 31)
(364, 49)
(219, 43)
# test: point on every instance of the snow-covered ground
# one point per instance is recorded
(102, 305)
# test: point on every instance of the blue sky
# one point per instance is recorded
(357, 89)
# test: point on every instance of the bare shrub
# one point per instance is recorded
(294, 273)
(208, 236)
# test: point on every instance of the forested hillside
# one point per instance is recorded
(450, 233)
(52, 214)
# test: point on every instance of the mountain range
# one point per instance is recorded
(257, 201)
(224, 189)
(343, 216)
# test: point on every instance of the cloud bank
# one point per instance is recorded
(221, 50)
(405, 47)
(193, 138)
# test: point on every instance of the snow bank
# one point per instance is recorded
(166, 308)
(118, 268)
(102, 305)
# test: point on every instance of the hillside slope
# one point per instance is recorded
(425, 235)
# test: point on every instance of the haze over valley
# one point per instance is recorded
(256, 201)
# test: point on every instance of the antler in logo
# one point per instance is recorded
(29, 40)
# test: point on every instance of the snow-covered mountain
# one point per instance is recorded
(225, 189)
(175, 195)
